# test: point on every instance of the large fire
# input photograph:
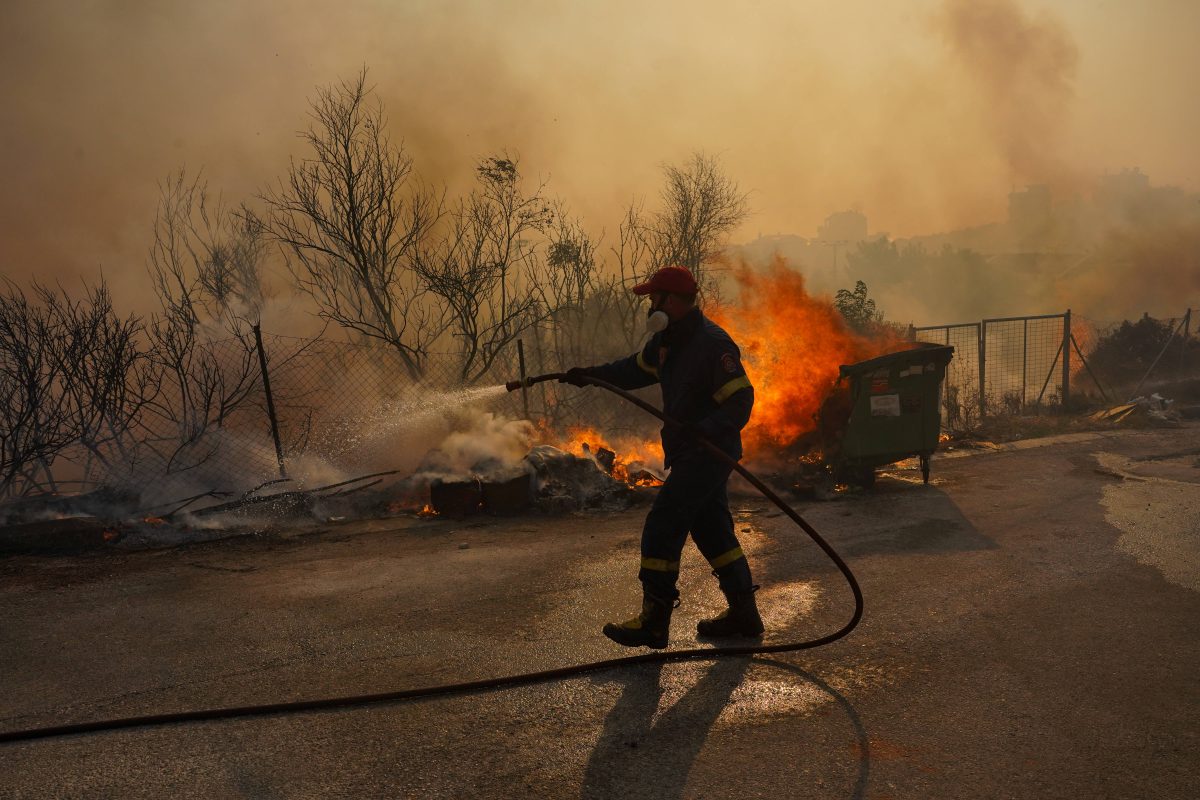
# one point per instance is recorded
(792, 345)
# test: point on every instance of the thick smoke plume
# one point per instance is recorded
(923, 113)
(1024, 69)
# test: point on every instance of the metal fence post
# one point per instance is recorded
(1183, 343)
(1024, 363)
(524, 388)
(982, 369)
(266, 378)
(1066, 351)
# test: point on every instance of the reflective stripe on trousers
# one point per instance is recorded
(693, 500)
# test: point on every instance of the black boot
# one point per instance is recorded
(647, 629)
(740, 619)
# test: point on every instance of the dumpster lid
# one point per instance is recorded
(920, 352)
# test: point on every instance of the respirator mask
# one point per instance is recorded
(656, 319)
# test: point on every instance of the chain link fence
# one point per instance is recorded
(337, 408)
(323, 410)
(1003, 366)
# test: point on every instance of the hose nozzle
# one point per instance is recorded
(525, 383)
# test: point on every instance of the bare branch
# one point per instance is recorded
(701, 206)
(350, 219)
(477, 263)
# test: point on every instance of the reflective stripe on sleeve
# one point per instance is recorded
(660, 565)
(735, 385)
(641, 362)
(725, 559)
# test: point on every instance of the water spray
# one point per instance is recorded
(524, 679)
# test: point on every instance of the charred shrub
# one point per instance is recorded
(1124, 355)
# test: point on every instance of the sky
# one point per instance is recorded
(923, 114)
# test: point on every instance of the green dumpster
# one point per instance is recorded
(894, 412)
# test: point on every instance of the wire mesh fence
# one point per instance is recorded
(1002, 366)
(338, 407)
(1015, 365)
(1024, 359)
(961, 398)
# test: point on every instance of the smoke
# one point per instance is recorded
(1137, 269)
(923, 113)
(481, 444)
(434, 432)
(384, 432)
(1024, 70)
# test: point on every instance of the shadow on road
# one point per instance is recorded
(926, 520)
(862, 741)
(642, 752)
(637, 752)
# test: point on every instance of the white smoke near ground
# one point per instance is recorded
(482, 444)
(436, 432)
(223, 462)
(394, 431)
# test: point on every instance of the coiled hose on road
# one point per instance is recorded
(524, 679)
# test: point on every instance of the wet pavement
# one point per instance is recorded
(1030, 632)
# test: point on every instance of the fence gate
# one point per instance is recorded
(1004, 365)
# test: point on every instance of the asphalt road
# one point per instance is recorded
(1030, 632)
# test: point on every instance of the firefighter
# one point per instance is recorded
(705, 388)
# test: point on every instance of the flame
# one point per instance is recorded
(626, 451)
(409, 505)
(792, 345)
(646, 479)
(1086, 336)
(154, 521)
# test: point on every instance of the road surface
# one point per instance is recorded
(1030, 632)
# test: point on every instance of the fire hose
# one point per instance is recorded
(524, 679)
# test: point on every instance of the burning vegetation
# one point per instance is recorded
(170, 416)
(792, 344)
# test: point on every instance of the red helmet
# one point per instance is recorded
(677, 280)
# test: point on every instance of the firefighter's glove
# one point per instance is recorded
(576, 376)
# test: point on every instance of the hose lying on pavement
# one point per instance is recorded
(524, 679)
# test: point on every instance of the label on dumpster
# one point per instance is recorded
(885, 405)
(879, 385)
(904, 373)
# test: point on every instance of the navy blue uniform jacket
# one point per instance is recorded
(703, 383)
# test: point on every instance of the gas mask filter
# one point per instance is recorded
(657, 321)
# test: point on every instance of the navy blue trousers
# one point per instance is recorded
(694, 500)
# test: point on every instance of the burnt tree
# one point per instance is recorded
(351, 217)
(204, 267)
(700, 207)
(484, 261)
(35, 419)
